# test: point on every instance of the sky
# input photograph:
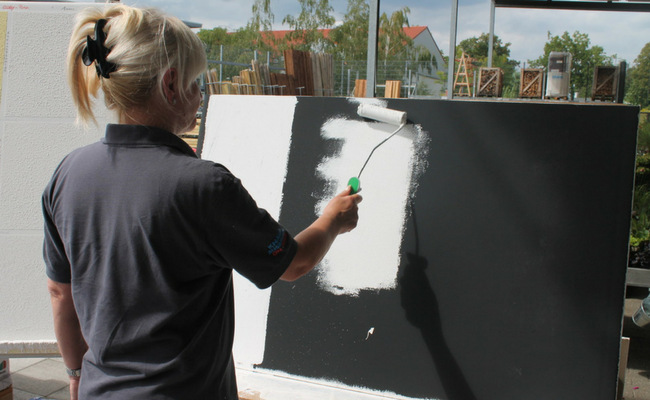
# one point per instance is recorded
(619, 33)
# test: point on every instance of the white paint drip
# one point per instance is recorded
(369, 256)
(370, 332)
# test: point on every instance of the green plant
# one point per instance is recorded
(422, 89)
(643, 137)
(640, 223)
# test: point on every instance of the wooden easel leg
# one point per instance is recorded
(622, 367)
(6, 389)
(7, 394)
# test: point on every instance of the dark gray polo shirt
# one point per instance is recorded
(148, 235)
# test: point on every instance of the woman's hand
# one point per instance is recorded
(343, 210)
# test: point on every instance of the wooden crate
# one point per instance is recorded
(531, 84)
(360, 88)
(490, 82)
(393, 89)
(605, 84)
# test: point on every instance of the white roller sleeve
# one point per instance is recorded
(381, 114)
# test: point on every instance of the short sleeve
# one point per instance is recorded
(57, 266)
(246, 236)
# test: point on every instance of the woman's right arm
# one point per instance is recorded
(340, 216)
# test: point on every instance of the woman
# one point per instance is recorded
(141, 237)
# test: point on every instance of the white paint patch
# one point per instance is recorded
(277, 385)
(370, 332)
(251, 136)
(369, 256)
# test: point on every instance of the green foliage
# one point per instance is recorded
(262, 18)
(305, 35)
(348, 42)
(643, 139)
(393, 42)
(421, 89)
(396, 52)
(511, 89)
(640, 224)
(584, 59)
(350, 39)
(477, 48)
(253, 36)
(638, 79)
(636, 242)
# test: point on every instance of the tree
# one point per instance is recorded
(477, 48)
(393, 42)
(349, 40)
(584, 59)
(252, 36)
(306, 34)
(395, 48)
(638, 80)
(240, 46)
(262, 18)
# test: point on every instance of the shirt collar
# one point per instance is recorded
(140, 135)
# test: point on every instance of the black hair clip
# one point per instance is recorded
(96, 51)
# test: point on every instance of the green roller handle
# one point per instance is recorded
(356, 185)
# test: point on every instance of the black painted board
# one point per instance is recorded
(512, 276)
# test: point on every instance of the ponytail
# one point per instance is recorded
(83, 81)
(144, 44)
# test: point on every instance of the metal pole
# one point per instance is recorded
(342, 76)
(373, 31)
(473, 94)
(620, 90)
(348, 91)
(452, 49)
(491, 45)
(206, 101)
(221, 65)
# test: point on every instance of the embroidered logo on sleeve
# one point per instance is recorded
(277, 245)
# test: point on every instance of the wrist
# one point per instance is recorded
(330, 224)
(73, 373)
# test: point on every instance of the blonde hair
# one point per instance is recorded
(144, 44)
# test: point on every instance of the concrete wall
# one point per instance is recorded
(37, 130)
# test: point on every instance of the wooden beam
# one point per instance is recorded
(576, 5)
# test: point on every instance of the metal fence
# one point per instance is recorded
(230, 61)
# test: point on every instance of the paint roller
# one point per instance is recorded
(380, 114)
